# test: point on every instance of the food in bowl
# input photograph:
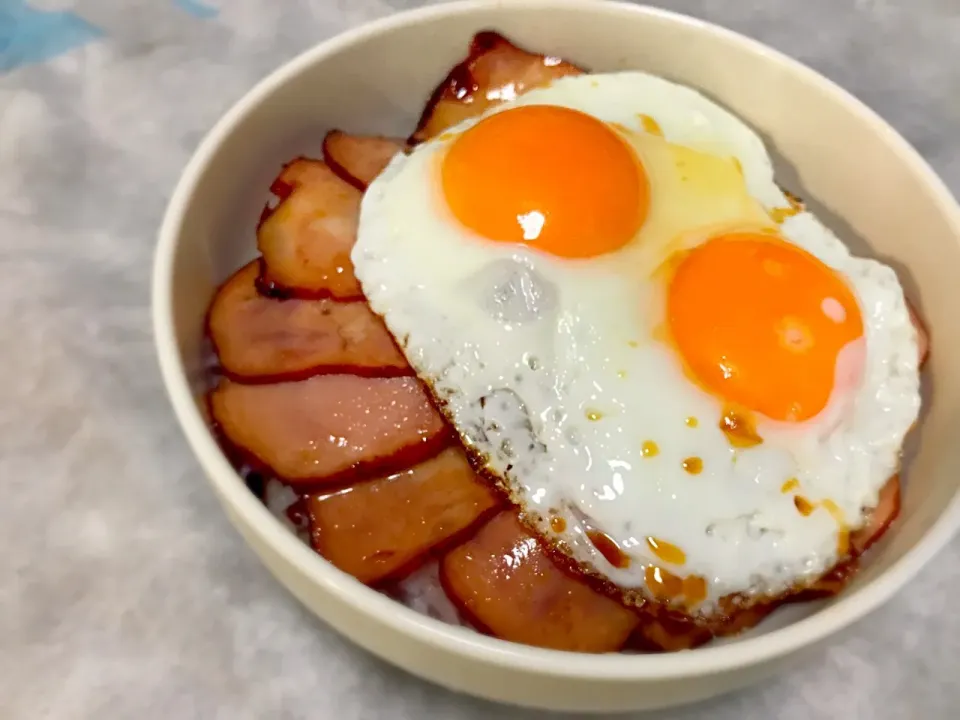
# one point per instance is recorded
(571, 355)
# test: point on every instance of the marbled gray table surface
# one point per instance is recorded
(124, 593)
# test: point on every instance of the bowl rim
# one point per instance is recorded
(467, 643)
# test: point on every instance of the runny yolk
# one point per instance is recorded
(761, 323)
(556, 179)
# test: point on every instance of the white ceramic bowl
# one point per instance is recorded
(863, 177)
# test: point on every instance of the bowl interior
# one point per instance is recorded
(856, 173)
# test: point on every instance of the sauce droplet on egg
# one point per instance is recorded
(778, 215)
(691, 422)
(804, 506)
(789, 485)
(694, 590)
(663, 584)
(593, 415)
(843, 541)
(693, 465)
(649, 449)
(558, 524)
(739, 427)
(608, 547)
(650, 125)
(668, 552)
(843, 533)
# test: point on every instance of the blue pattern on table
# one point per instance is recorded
(197, 8)
(28, 35)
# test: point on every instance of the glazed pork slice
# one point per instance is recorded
(329, 428)
(263, 339)
(380, 529)
(505, 582)
(881, 517)
(923, 337)
(494, 71)
(358, 159)
(306, 240)
(663, 633)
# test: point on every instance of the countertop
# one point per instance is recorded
(125, 593)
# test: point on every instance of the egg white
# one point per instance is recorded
(548, 369)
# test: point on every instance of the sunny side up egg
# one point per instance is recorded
(684, 379)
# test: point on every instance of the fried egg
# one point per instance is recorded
(684, 379)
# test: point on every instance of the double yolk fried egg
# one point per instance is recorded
(680, 375)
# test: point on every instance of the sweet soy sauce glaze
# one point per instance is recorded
(608, 547)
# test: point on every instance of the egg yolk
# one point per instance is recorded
(556, 179)
(761, 323)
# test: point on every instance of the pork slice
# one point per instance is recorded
(923, 337)
(663, 633)
(495, 70)
(263, 339)
(306, 240)
(330, 427)
(358, 159)
(880, 519)
(504, 580)
(381, 529)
